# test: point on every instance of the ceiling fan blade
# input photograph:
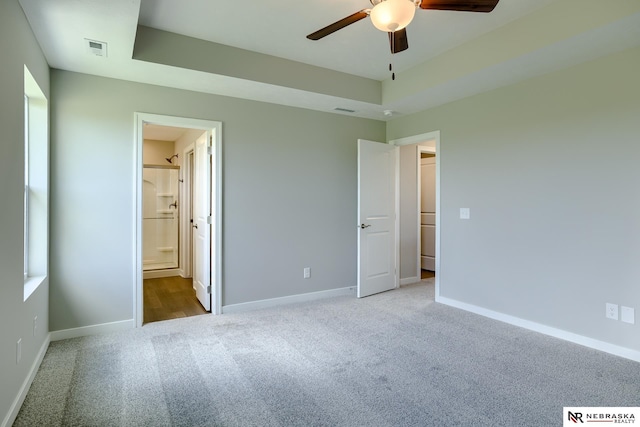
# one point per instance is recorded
(460, 5)
(398, 41)
(329, 29)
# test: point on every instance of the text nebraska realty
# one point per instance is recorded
(614, 418)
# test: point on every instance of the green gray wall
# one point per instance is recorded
(18, 47)
(289, 195)
(549, 169)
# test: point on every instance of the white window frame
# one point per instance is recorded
(36, 185)
(26, 187)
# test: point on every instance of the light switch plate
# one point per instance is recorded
(465, 213)
(628, 314)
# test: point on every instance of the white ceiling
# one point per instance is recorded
(162, 133)
(278, 28)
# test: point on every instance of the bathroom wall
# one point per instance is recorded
(157, 152)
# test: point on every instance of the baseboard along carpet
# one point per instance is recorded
(393, 359)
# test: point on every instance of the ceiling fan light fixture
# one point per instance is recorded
(392, 15)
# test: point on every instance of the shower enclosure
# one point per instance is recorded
(160, 217)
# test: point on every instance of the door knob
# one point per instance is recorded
(195, 225)
(363, 226)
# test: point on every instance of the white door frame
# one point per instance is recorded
(186, 213)
(417, 139)
(215, 128)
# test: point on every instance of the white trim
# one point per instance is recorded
(36, 185)
(19, 400)
(292, 299)
(155, 274)
(216, 262)
(438, 216)
(397, 217)
(103, 328)
(417, 139)
(212, 127)
(31, 284)
(544, 329)
(409, 281)
(186, 230)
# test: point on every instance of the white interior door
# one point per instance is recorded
(202, 221)
(428, 213)
(377, 189)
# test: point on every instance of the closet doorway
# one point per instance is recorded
(427, 206)
(419, 225)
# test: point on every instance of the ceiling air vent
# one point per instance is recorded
(96, 48)
(344, 110)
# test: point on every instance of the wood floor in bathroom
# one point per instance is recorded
(170, 298)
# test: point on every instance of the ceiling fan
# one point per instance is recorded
(392, 16)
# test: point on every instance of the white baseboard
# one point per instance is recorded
(92, 330)
(19, 400)
(544, 329)
(155, 274)
(409, 281)
(274, 302)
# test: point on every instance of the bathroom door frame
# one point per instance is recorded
(186, 212)
(214, 130)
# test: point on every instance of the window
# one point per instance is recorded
(36, 185)
(26, 186)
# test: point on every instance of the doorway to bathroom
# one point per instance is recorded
(178, 217)
(168, 291)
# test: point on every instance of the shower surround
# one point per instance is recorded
(160, 217)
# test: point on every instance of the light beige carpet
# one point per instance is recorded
(393, 359)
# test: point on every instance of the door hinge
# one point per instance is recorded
(209, 289)
(209, 150)
(209, 219)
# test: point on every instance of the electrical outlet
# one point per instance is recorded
(465, 213)
(307, 272)
(628, 315)
(612, 311)
(18, 351)
(35, 325)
